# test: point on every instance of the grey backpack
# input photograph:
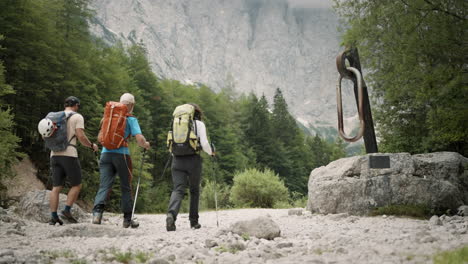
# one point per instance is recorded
(58, 141)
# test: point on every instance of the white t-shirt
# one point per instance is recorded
(74, 122)
(201, 134)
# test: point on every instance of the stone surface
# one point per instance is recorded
(463, 210)
(312, 239)
(248, 45)
(261, 227)
(34, 205)
(437, 180)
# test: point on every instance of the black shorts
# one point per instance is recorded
(65, 167)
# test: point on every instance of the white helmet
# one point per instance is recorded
(46, 127)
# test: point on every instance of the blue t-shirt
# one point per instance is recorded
(132, 128)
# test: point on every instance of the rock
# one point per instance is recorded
(428, 239)
(35, 206)
(348, 185)
(158, 261)
(6, 252)
(237, 246)
(337, 217)
(209, 243)
(284, 245)
(463, 210)
(295, 212)
(435, 221)
(7, 260)
(261, 227)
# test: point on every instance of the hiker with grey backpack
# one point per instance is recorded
(185, 141)
(60, 131)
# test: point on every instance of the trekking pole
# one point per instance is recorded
(138, 184)
(213, 150)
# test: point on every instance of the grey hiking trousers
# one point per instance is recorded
(186, 172)
(110, 165)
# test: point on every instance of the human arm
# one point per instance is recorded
(80, 134)
(141, 141)
(201, 132)
(136, 132)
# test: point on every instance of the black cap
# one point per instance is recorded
(72, 101)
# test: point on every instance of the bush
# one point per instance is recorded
(417, 211)
(254, 188)
(207, 200)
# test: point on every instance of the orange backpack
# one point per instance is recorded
(112, 132)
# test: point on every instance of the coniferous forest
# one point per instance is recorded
(416, 52)
(48, 53)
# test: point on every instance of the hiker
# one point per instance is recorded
(65, 164)
(187, 163)
(117, 161)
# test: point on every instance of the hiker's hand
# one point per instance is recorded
(213, 154)
(147, 145)
(95, 147)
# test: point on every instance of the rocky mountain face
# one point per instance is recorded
(251, 45)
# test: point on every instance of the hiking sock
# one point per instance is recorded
(67, 208)
(54, 215)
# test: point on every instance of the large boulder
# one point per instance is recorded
(349, 185)
(34, 205)
(260, 227)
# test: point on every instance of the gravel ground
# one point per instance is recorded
(306, 238)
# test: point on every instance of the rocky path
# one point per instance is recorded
(305, 238)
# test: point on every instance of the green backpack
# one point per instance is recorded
(182, 139)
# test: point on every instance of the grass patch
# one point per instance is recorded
(125, 257)
(416, 211)
(224, 248)
(245, 236)
(55, 254)
(458, 256)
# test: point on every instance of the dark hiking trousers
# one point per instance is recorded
(186, 171)
(110, 165)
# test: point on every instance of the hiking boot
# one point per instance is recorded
(195, 225)
(54, 221)
(170, 222)
(130, 223)
(97, 217)
(68, 216)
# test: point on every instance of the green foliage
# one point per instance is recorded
(457, 256)
(254, 188)
(418, 211)
(415, 55)
(48, 54)
(207, 198)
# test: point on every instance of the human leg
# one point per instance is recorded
(194, 182)
(57, 180)
(106, 179)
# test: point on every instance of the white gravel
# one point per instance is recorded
(304, 238)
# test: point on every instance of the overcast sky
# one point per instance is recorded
(311, 3)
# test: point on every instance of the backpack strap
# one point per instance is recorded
(125, 144)
(74, 136)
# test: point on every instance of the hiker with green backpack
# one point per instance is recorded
(117, 126)
(60, 131)
(187, 137)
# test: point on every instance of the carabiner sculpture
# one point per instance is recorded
(357, 78)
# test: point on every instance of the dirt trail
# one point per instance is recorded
(305, 238)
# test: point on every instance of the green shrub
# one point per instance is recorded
(254, 188)
(458, 256)
(417, 211)
(298, 200)
(207, 198)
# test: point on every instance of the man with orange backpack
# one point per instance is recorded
(117, 126)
